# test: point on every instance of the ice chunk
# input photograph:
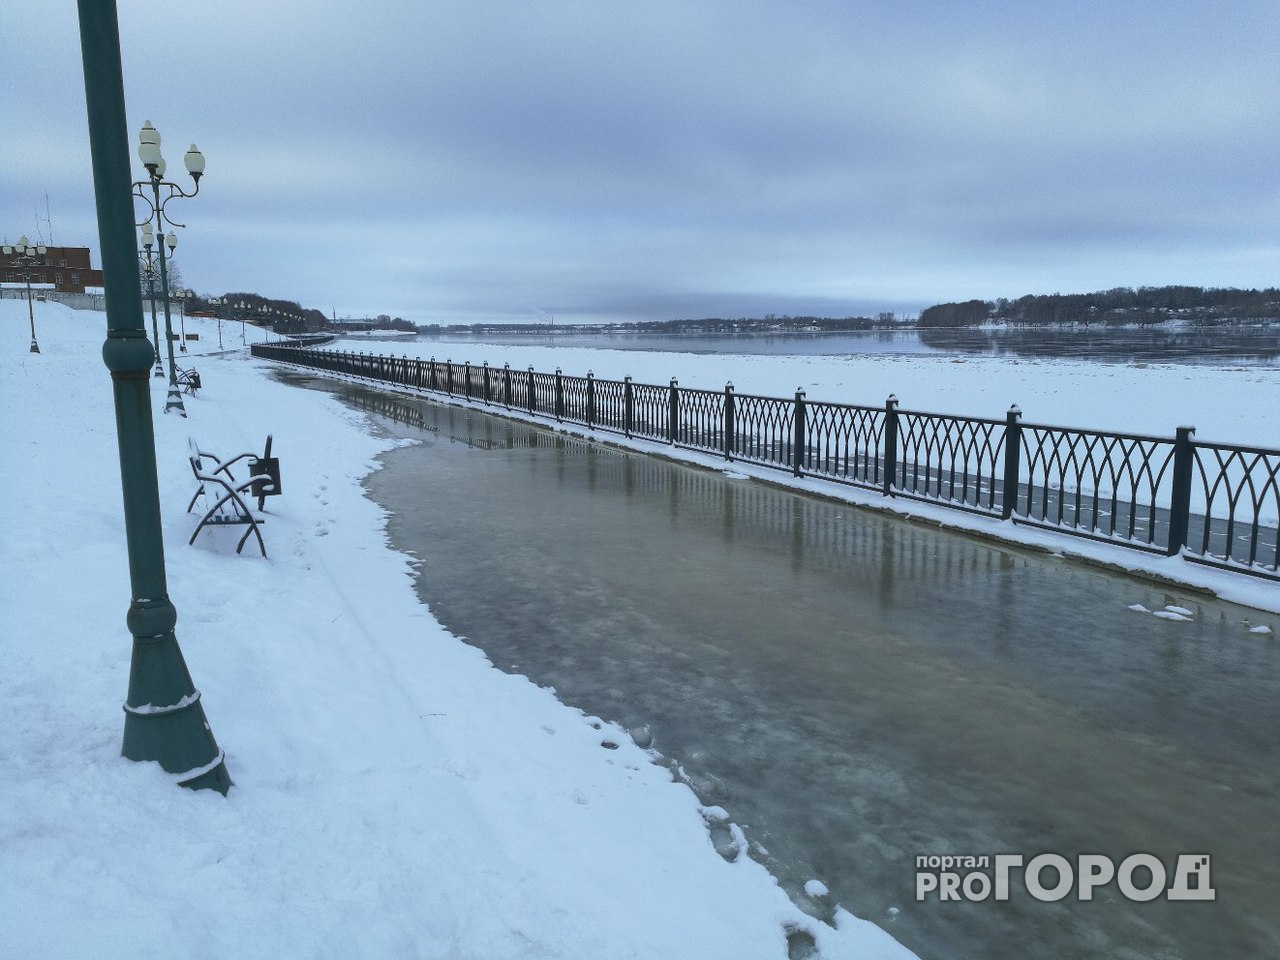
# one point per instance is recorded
(815, 889)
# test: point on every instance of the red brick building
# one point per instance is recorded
(66, 268)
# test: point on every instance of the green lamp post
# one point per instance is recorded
(193, 160)
(164, 719)
(149, 271)
(27, 255)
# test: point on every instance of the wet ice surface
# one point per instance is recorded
(856, 691)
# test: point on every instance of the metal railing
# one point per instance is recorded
(1213, 503)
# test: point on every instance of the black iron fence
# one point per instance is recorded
(1214, 503)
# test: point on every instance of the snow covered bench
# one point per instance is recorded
(188, 380)
(224, 496)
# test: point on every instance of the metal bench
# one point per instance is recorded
(224, 495)
(188, 380)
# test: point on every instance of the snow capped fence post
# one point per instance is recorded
(890, 443)
(1012, 459)
(673, 412)
(628, 407)
(506, 384)
(487, 390)
(533, 394)
(728, 420)
(559, 411)
(798, 443)
(591, 399)
(1180, 499)
(466, 379)
(448, 376)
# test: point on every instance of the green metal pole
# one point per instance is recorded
(164, 720)
(155, 329)
(174, 400)
(35, 347)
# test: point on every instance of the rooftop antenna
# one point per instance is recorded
(48, 218)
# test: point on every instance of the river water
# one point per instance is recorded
(1186, 345)
(856, 690)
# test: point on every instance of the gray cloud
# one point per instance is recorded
(459, 160)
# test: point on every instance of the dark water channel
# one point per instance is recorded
(856, 690)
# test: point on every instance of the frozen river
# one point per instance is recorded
(856, 690)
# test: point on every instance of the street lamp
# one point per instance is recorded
(25, 255)
(148, 266)
(164, 715)
(183, 297)
(149, 153)
(217, 312)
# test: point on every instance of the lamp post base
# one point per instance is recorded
(174, 402)
(35, 347)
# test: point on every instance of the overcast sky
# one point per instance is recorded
(465, 160)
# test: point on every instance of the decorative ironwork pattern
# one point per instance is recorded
(544, 392)
(575, 399)
(763, 429)
(1108, 485)
(611, 405)
(1215, 503)
(701, 420)
(521, 389)
(956, 460)
(652, 411)
(1236, 506)
(843, 443)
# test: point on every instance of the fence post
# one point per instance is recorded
(673, 412)
(466, 379)
(1012, 459)
(506, 383)
(728, 420)
(1180, 500)
(448, 375)
(628, 407)
(798, 442)
(559, 396)
(890, 444)
(533, 399)
(591, 399)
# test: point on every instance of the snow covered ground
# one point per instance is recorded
(396, 796)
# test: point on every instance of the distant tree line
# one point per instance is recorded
(1121, 305)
